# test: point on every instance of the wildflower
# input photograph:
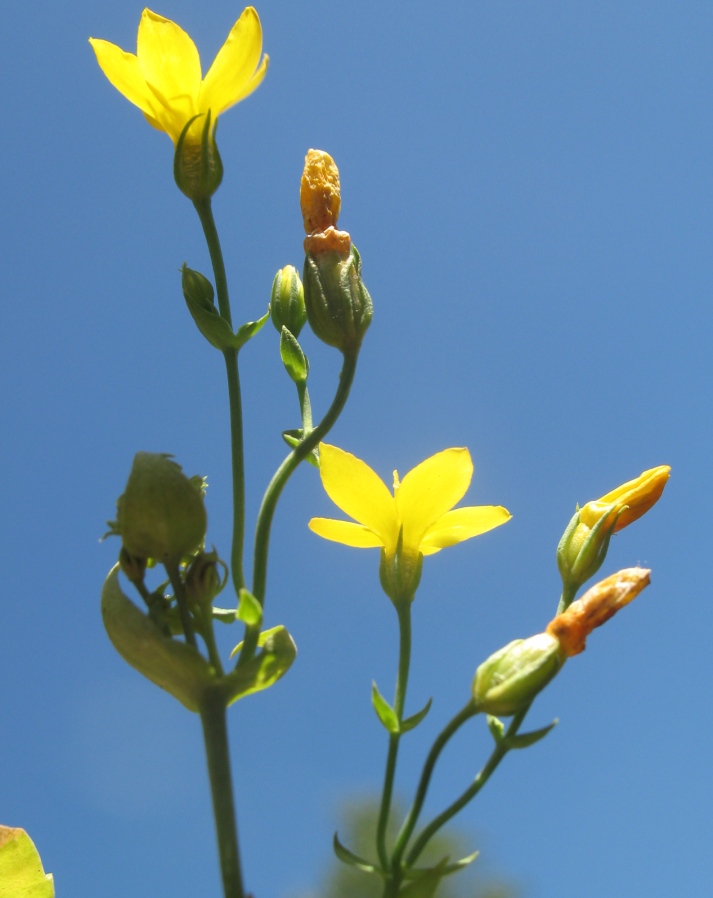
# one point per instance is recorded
(419, 519)
(164, 78)
(585, 542)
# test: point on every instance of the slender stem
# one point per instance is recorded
(238, 469)
(205, 213)
(277, 484)
(568, 594)
(208, 634)
(403, 610)
(499, 752)
(215, 734)
(179, 592)
(305, 407)
(468, 711)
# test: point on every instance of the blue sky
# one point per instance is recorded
(529, 185)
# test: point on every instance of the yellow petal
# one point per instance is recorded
(236, 70)
(430, 490)
(358, 491)
(170, 64)
(124, 72)
(345, 532)
(464, 523)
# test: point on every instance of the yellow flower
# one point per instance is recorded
(164, 78)
(422, 504)
(637, 495)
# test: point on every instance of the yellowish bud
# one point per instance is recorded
(637, 495)
(596, 606)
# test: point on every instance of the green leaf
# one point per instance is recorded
(169, 663)
(293, 438)
(524, 740)
(248, 331)
(293, 358)
(211, 323)
(496, 727)
(415, 719)
(353, 860)
(444, 868)
(384, 711)
(265, 668)
(21, 873)
(249, 609)
(225, 615)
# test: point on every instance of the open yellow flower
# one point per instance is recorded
(422, 504)
(164, 78)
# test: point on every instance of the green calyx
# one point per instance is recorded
(161, 514)
(339, 308)
(287, 301)
(511, 678)
(197, 166)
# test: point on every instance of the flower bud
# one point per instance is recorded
(287, 301)
(161, 514)
(585, 542)
(205, 578)
(339, 307)
(596, 606)
(197, 288)
(197, 166)
(511, 678)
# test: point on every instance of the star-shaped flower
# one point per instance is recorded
(421, 507)
(164, 77)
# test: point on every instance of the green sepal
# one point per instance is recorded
(21, 872)
(200, 304)
(249, 609)
(173, 665)
(384, 711)
(293, 358)
(413, 721)
(443, 866)
(525, 740)
(248, 330)
(353, 860)
(263, 669)
(496, 727)
(293, 438)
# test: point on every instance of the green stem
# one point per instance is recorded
(215, 734)
(274, 490)
(208, 634)
(440, 743)
(305, 407)
(205, 213)
(568, 594)
(403, 610)
(179, 592)
(499, 752)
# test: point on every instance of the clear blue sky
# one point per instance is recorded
(530, 187)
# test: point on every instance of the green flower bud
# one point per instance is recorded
(339, 308)
(161, 513)
(197, 166)
(513, 676)
(205, 578)
(287, 301)
(197, 289)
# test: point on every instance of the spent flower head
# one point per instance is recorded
(164, 78)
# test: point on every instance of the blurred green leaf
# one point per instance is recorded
(21, 873)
